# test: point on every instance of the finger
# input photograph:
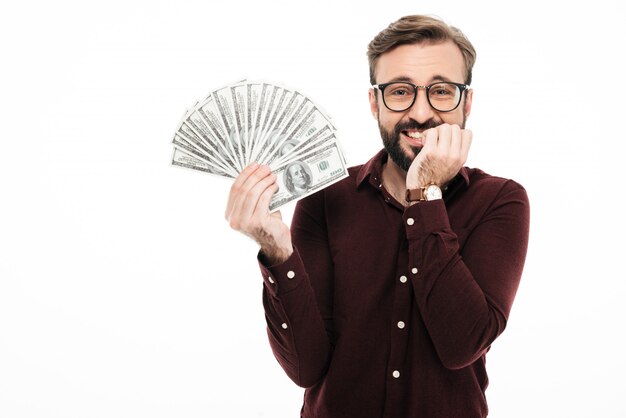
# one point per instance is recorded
(263, 204)
(250, 199)
(257, 175)
(466, 142)
(430, 140)
(236, 186)
(244, 182)
(455, 142)
(444, 138)
(246, 173)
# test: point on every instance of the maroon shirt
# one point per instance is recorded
(387, 311)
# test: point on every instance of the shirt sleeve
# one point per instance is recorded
(295, 325)
(465, 294)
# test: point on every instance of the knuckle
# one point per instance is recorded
(234, 224)
(250, 194)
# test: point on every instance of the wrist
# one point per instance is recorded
(428, 192)
(276, 255)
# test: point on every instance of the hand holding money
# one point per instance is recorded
(254, 122)
(247, 211)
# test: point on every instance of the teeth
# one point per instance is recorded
(415, 135)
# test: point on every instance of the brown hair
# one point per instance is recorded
(417, 29)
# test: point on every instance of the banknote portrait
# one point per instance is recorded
(297, 177)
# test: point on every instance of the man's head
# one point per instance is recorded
(418, 29)
(422, 51)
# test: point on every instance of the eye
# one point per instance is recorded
(399, 90)
(443, 90)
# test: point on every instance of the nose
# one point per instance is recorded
(421, 110)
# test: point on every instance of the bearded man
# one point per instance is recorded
(384, 297)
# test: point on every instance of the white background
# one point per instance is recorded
(124, 293)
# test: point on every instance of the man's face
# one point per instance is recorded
(298, 177)
(420, 64)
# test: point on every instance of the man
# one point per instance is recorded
(386, 294)
(297, 179)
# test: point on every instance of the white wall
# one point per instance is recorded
(124, 293)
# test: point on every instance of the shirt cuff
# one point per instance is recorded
(283, 277)
(424, 218)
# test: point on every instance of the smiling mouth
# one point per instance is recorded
(414, 134)
(415, 138)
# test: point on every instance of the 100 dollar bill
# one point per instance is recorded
(307, 175)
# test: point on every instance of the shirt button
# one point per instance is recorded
(269, 278)
(396, 374)
(414, 270)
(284, 325)
(400, 324)
(291, 274)
(402, 279)
(410, 221)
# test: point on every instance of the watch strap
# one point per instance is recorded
(420, 194)
(415, 195)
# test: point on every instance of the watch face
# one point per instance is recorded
(432, 192)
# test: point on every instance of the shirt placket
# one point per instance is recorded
(398, 371)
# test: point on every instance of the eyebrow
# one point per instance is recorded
(433, 79)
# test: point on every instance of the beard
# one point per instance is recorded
(391, 140)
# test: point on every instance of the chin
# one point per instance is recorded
(401, 157)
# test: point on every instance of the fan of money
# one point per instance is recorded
(267, 123)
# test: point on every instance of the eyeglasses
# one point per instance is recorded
(442, 96)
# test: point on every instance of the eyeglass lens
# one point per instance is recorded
(441, 96)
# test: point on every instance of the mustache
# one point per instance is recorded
(412, 124)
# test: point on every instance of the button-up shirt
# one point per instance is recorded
(384, 310)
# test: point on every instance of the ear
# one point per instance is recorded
(468, 102)
(373, 103)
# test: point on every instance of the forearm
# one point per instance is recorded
(465, 295)
(295, 327)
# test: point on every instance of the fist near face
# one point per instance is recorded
(444, 152)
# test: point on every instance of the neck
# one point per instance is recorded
(394, 179)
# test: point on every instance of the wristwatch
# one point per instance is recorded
(429, 192)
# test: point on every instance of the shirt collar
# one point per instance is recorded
(374, 167)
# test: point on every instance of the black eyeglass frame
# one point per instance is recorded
(382, 87)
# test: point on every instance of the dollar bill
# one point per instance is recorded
(182, 159)
(324, 139)
(313, 126)
(253, 92)
(238, 102)
(271, 124)
(225, 107)
(280, 132)
(211, 149)
(313, 172)
(279, 109)
(262, 90)
(199, 151)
